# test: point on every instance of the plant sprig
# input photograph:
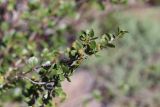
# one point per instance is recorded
(50, 74)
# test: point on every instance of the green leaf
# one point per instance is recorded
(111, 45)
(83, 36)
(58, 91)
(93, 44)
(77, 45)
(57, 69)
(73, 52)
(61, 76)
(91, 33)
(109, 36)
(121, 32)
(68, 79)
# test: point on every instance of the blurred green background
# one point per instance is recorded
(126, 76)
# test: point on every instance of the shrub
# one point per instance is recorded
(33, 64)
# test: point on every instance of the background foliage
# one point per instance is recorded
(32, 32)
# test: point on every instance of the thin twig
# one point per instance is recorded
(34, 82)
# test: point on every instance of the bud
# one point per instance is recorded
(46, 65)
(50, 85)
(32, 61)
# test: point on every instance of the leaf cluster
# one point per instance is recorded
(48, 75)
